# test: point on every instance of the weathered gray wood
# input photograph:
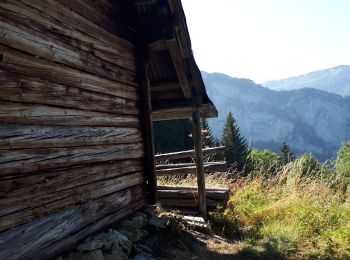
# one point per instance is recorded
(22, 161)
(187, 203)
(18, 88)
(167, 86)
(180, 68)
(190, 188)
(191, 170)
(16, 34)
(29, 186)
(217, 195)
(171, 113)
(18, 212)
(197, 141)
(14, 136)
(72, 240)
(32, 238)
(62, 19)
(181, 165)
(28, 65)
(18, 113)
(189, 153)
(148, 130)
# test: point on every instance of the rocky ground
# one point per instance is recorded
(148, 235)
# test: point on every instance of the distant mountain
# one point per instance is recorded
(335, 80)
(309, 120)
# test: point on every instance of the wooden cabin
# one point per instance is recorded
(80, 83)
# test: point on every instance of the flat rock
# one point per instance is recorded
(90, 245)
(93, 255)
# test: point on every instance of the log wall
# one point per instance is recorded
(71, 140)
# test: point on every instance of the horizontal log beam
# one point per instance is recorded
(55, 230)
(23, 161)
(15, 213)
(181, 165)
(19, 88)
(26, 187)
(187, 203)
(16, 34)
(15, 136)
(165, 86)
(188, 153)
(189, 188)
(31, 66)
(174, 112)
(20, 113)
(188, 194)
(191, 170)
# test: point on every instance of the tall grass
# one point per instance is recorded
(301, 211)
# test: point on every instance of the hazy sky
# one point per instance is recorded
(269, 39)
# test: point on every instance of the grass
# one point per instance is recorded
(297, 215)
(300, 211)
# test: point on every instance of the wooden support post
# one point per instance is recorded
(197, 140)
(148, 134)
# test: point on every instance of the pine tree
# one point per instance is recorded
(236, 146)
(286, 153)
(207, 137)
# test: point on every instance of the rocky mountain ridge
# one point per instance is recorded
(309, 120)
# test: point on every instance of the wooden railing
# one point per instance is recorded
(189, 197)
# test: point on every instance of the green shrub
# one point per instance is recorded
(264, 161)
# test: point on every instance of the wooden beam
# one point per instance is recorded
(181, 165)
(179, 65)
(165, 86)
(218, 167)
(197, 140)
(190, 188)
(48, 236)
(148, 132)
(188, 153)
(174, 112)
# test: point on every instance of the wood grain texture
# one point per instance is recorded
(16, 34)
(16, 212)
(57, 16)
(30, 239)
(22, 161)
(14, 136)
(65, 178)
(19, 113)
(31, 66)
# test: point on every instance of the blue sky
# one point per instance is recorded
(269, 39)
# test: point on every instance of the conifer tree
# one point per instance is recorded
(207, 137)
(286, 153)
(236, 146)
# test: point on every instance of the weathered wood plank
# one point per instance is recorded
(15, 136)
(59, 14)
(115, 20)
(22, 161)
(16, 34)
(187, 203)
(191, 170)
(217, 195)
(190, 188)
(65, 178)
(18, 212)
(197, 141)
(18, 113)
(30, 239)
(28, 65)
(181, 165)
(188, 153)
(14, 87)
(72, 240)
